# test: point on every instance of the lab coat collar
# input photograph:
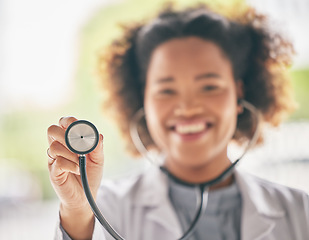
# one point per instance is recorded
(155, 197)
(154, 188)
(259, 211)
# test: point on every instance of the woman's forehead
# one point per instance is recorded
(188, 52)
(191, 44)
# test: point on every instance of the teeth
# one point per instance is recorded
(192, 128)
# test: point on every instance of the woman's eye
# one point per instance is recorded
(167, 92)
(210, 87)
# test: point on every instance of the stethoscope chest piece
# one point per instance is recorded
(81, 137)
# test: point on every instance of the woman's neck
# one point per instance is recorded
(200, 173)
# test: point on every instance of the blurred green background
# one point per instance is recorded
(23, 141)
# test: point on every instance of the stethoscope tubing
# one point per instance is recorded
(202, 195)
(97, 213)
(202, 198)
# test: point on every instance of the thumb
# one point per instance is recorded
(97, 155)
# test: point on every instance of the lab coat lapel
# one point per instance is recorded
(155, 197)
(165, 216)
(259, 214)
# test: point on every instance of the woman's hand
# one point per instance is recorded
(64, 174)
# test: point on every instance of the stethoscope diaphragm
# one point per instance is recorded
(81, 137)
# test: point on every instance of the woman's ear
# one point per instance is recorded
(240, 95)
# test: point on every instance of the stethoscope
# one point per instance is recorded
(82, 137)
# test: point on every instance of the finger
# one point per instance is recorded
(50, 158)
(57, 149)
(62, 165)
(97, 154)
(55, 133)
(65, 122)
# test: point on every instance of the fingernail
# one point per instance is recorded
(60, 121)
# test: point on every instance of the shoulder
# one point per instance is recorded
(269, 197)
(139, 188)
(121, 187)
(268, 188)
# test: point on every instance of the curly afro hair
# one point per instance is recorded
(259, 58)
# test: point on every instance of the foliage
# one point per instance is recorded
(300, 82)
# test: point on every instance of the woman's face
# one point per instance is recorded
(191, 102)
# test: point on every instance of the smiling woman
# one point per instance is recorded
(256, 56)
(194, 112)
(199, 77)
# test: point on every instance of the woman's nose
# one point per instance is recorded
(188, 107)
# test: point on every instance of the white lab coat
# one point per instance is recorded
(139, 209)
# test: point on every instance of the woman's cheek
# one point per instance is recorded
(157, 113)
(227, 110)
(226, 102)
(152, 116)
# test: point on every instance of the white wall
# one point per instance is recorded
(39, 49)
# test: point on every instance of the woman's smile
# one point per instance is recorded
(191, 130)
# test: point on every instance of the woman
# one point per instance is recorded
(189, 71)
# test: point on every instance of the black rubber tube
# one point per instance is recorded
(97, 213)
(202, 198)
